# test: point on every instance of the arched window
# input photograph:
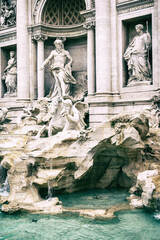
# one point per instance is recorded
(63, 12)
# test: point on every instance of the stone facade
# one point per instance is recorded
(97, 35)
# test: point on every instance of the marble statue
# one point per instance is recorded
(136, 55)
(56, 121)
(64, 116)
(73, 114)
(60, 70)
(10, 75)
(39, 112)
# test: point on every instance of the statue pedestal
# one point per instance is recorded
(15, 108)
(139, 83)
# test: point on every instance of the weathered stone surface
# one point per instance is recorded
(51, 206)
(146, 186)
(100, 214)
(111, 155)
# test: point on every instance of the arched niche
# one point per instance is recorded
(63, 12)
(71, 27)
(40, 4)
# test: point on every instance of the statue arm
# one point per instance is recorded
(148, 41)
(47, 60)
(68, 65)
(74, 118)
(10, 65)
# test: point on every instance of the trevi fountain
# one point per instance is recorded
(79, 120)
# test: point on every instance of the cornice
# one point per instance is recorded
(8, 34)
(134, 5)
(57, 31)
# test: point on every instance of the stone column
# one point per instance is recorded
(114, 52)
(103, 47)
(90, 56)
(23, 60)
(33, 69)
(40, 59)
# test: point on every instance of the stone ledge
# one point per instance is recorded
(131, 6)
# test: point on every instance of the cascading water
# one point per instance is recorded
(49, 191)
(4, 190)
(4, 186)
(157, 207)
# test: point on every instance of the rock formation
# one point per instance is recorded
(123, 152)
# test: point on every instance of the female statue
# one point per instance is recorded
(136, 55)
(10, 74)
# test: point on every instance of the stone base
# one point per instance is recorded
(104, 107)
(10, 95)
(15, 108)
(138, 83)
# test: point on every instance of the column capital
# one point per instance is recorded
(39, 37)
(90, 24)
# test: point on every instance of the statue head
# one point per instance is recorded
(12, 53)
(67, 103)
(59, 44)
(139, 27)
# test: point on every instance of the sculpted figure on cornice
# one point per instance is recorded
(137, 57)
(60, 71)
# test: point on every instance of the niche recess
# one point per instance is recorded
(129, 32)
(5, 55)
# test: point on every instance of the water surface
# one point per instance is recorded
(129, 225)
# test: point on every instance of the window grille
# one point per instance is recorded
(63, 12)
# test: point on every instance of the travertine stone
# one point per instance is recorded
(90, 56)
(103, 47)
(22, 50)
(40, 38)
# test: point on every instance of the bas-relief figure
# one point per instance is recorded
(10, 75)
(136, 55)
(60, 71)
(8, 14)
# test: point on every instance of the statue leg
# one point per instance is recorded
(40, 132)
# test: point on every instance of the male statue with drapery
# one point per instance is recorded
(60, 71)
(137, 57)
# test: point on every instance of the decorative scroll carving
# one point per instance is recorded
(89, 24)
(39, 37)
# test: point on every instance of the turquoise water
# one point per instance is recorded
(129, 225)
